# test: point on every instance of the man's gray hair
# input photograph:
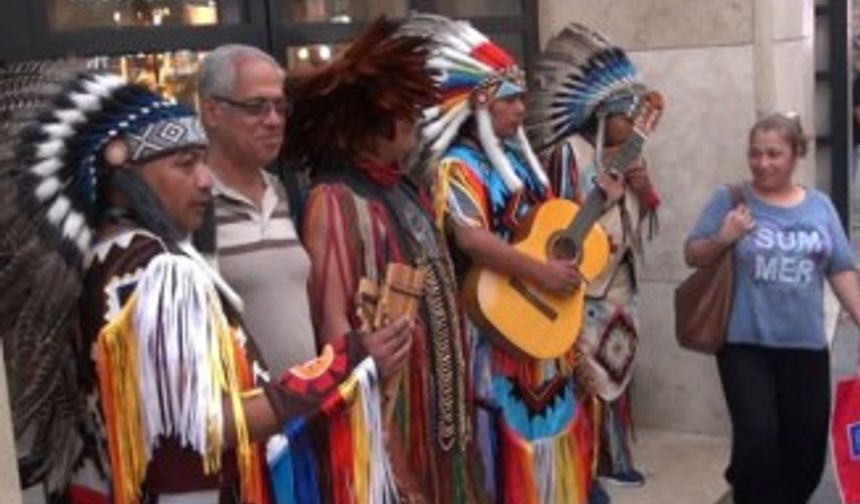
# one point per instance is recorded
(218, 70)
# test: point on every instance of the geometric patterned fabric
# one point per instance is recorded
(169, 134)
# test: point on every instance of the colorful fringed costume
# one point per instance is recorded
(584, 88)
(532, 431)
(363, 216)
(157, 374)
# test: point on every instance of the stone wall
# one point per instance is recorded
(718, 62)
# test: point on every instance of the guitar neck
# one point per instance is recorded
(592, 208)
(628, 153)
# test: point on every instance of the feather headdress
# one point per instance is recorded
(55, 121)
(338, 108)
(472, 72)
(580, 75)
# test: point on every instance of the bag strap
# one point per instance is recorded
(736, 191)
(737, 194)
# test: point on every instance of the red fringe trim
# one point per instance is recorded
(340, 437)
(529, 372)
(416, 443)
(81, 495)
(519, 483)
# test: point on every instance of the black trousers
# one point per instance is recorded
(779, 403)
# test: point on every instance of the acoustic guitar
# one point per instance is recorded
(525, 318)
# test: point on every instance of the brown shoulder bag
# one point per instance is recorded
(703, 301)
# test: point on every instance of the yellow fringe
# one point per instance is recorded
(440, 198)
(252, 393)
(116, 358)
(226, 372)
(569, 469)
(117, 361)
(349, 390)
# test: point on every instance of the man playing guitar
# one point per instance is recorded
(532, 432)
(576, 152)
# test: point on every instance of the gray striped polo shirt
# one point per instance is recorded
(260, 255)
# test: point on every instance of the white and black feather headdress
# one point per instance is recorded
(55, 121)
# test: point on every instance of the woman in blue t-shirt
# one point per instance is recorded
(775, 370)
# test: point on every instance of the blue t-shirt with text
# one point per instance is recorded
(780, 268)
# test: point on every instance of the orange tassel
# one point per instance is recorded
(254, 487)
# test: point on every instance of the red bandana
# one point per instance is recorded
(384, 175)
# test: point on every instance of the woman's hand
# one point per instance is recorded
(389, 346)
(737, 223)
(846, 286)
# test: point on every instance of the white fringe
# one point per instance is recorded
(544, 469)
(441, 144)
(382, 487)
(492, 147)
(531, 159)
(231, 296)
(176, 341)
(435, 128)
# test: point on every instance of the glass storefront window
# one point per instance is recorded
(341, 11)
(172, 74)
(81, 14)
(479, 8)
(513, 44)
(312, 56)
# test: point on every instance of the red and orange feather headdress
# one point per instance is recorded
(383, 75)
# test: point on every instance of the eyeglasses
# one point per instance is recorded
(258, 108)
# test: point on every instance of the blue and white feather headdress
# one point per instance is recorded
(580, 76)
(472, 72)
(61, 159)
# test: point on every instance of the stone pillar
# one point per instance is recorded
(10, 492)
(718, 62)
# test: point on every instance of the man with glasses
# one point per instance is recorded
(244, 111)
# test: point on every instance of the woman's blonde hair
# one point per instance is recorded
(788, 125)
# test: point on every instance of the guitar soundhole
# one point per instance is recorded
(563, 248)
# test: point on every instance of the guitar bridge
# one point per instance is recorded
(534, 299)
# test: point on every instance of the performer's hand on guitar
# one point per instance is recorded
(389, 346)
(612, 185)
(737, 223)
(637, 178)
(559, 276)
